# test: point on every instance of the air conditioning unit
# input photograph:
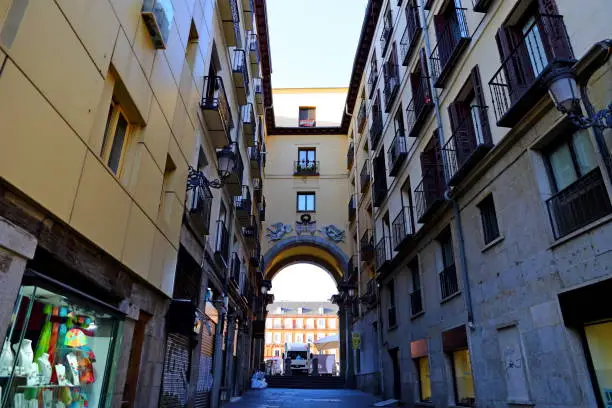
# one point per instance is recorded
(157, 15)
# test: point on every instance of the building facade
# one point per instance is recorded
(131, 158)
(480, 213)
(299, 322)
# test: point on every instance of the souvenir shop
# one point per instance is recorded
(60, 347)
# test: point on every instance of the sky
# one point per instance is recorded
(313, 43)
(303, 282)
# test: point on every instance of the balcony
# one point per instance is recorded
(350, 156)
(429, 195)
(216, 111)
(248, 8)
(397, 153)
(518, 84)
(253, 52)
(352, 208)
(240, 73)
(416, 302)
(418, 108)
(376, 130)
(199, 202)
(254, 160)
(248, 124)
(235, 270)
(366, 247)
(243, 205)
(257, 189)
(384, 254)
(385, 36)
(364, 177)
(466, 147)
(448, 281)
(250, 232)
(379, 191)
(391, 85)
(259, 96)
(579, 204)
(453, 37)
(402, 228)
(361, 116)
(222, 243)
(305, 168)
(411, 33)
(233, 181)
(372, 78)
(231, 22)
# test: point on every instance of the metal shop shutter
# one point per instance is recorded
(175, 385)
(205, 374)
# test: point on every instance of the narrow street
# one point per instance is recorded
(285, 398)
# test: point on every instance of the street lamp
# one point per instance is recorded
(226, 161)
(566, 95)
(266, 285)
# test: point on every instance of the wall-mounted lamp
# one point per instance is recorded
(226, 162)
(266, 285)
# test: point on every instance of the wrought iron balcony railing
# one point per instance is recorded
(305, 168)
(411, 33)
(233, 180)
(216, 111)
(257, 189)
(579, 204)
(466, 146)
(243, 205)
(241, 75)
(366, 246)
(384, 254)
(259, 99)
(376, 130)
(517, 84)
(230, 17)
(391, 84)
(350, 156)
(248, 123)
(397, 153)
(418, 108)
(385, 36)
(364, 177)
(200, 200)
(250, 232)
(372, 79)
(448, 281)
(254, 160)
(253, 52)
(429, 193)
(402, 228)
(352, 208)
(361, 116)
(222, 242)
(453, 38)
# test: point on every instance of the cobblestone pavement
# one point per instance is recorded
(291, 398)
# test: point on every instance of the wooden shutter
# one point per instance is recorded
(552, 30)
(423, 80)
(432, 169)
(511, 63)
(482, 111)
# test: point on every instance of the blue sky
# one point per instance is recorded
(313, 43)
(303, 282)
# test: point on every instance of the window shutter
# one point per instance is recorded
(424, 80)
(482, 111)
(453, 114)
(548, 7)
(552, 30)
(511, 67)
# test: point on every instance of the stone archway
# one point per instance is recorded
(329, 256)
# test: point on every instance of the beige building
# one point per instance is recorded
(299, 322)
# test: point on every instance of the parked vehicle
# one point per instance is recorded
(300, 356)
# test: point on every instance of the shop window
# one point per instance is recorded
(490, 228)
(59, 348)
(599, 339)
(462, 375)
(422, 365)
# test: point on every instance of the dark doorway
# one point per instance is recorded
(397, 375)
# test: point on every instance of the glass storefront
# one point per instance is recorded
(59, 350)
(599, 339)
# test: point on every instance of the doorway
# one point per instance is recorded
(397, 375)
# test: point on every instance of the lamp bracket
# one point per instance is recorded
(195, 178)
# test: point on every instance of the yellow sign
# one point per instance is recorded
(356, 341)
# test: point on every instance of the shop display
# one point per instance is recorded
(48, 359)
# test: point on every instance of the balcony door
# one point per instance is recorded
(432, 170)
(307, 157)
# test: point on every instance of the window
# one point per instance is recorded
(448, 276)
(310, 323)
(288, 338)
(278, 324)
(570, 160)
(288, 323)
(299, 338)
(332, 323)
(306, 164)
(308, 116)
(309, 338)
(462, 375)
(269, 323)
(392, 317)
(276, 353)
(277, 338)
(268, 338)
(116, 135)
(422, 365)
(488, 217)
(416, 299)
(306, 202)
(299, 323)
(321, 323)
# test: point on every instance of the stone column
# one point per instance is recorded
(17, 246)
(229, 355)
